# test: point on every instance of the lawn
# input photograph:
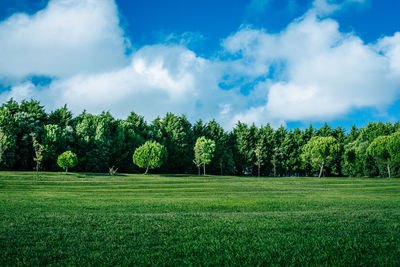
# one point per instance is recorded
(92, 219)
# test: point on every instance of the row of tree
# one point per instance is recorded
(101, 141)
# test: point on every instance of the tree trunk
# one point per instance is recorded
(198, 167)
(388, 168)
(37, 167)
(66, 170)
(321, 170)
(147, 169)
(274, 169)
(204, 169)
(259, 170)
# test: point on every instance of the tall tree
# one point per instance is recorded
(176, 134)
(94, 136)
(3, 144)
(246, 140)
(278, 158)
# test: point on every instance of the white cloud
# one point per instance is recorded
(327, 7)
(327, 73)
(66, 38)
(160, 79)
(390, 46)
(309, 71)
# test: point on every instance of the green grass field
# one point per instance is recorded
(84, 219)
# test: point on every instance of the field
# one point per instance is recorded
(89, 219)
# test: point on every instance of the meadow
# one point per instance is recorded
(95, 219)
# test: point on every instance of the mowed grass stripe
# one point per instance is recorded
(94, 219)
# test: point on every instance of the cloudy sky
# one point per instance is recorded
(290, 62)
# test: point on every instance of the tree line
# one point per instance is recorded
(101, 142)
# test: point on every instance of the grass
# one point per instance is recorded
(89, 219)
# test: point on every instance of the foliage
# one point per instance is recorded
(101, 141)
(319, 152)
(67, 160)
(151, 155)
(386, 150)
(3, 144)
(38, 148)
(203, 152)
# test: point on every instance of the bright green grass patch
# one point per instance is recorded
(89, 219)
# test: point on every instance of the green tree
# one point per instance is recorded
(3, 144)
(38, 148)
(264, 148)
(258, 152)
(386, 150)
(197, 157)
(54, 140)
(246, 141)
(394, 148)
(67, 160)
(94, 141)
(214, 131)
(204, 151)
(319, 150)
(128, 135)
(151, 155)
(176, 134)
(279, 156)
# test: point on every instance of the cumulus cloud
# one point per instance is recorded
(327, 73)
(327, 7)
(159, 79)
(66, 38)
(309, 71)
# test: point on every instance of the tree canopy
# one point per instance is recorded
(203, 152)
(102, 141)
(319, 151)
(66, 160)
(150, 155)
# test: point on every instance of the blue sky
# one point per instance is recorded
(291, 62)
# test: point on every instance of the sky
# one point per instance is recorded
(283, 62)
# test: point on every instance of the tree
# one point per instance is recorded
(278, 157)
(176, 134)
(151, 155)
(67, 160)
(3, 144)
(246, 140)
(204, 151)
(319, 150)
(258, 153)
(94, 141)
(386, 150)
(197, 157)
(54, 141)
(38, 148)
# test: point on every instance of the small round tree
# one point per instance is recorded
(151, 155)
(67, 160)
